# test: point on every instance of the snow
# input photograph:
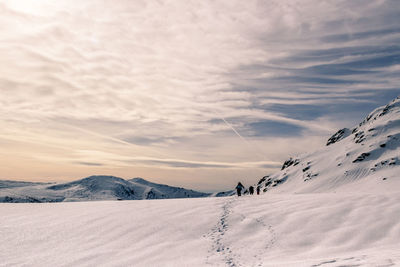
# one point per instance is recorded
(364, 159)
(338, 206)
(91, 188)
(317, 229)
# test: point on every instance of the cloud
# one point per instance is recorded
(88, 163)
(340, 38)
(154, 78)
(212, 165)
(273, 128)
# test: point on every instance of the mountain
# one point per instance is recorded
(91, 188)
(224, 193)
(149, 190)
(96, 188)
(365, 158)
(11, 184)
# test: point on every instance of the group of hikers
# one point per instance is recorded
(240, 187)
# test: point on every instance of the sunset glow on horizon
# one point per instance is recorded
(198, 94)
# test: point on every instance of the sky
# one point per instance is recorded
(199, 94)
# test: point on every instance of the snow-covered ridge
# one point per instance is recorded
(11, 184)
(365, 158)
(91, 188)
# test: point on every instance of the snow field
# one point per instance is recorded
(123, 233)
(338, 229)
(323, 229)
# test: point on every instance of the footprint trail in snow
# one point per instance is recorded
(217, 236)
(227, 250)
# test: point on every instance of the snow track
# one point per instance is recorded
(231, 221)
(319, 230)
(217, 236)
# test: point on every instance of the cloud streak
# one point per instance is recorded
(154, 78)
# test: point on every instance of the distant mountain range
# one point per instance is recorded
(364, 158)
(92, 188)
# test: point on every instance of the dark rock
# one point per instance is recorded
(274, 183)
(262, 180)
(310, 176)
(359, 137)
(150, 194)
(226, 193)
(384, 163)
(361, 157)
(289, 163)
(26, 199)
(385, 110)
(339, 135)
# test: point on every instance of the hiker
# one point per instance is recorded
(251, 190)
(258, 189)
(239, 189)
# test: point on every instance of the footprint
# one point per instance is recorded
(217, 234)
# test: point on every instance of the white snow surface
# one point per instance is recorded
(365, 159)
(317, 229)
(338, 206)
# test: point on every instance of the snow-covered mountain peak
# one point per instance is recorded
(140, 180)
(94, 183)
(364, 158)
(388, 111)
(97, 187)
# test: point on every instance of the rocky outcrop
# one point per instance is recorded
(290, 162)
(370, 152)
(339, 135)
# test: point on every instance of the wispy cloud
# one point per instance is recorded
(88, 163)
(154, 78)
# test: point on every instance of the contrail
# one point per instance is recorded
(234, 130)
(262, 156)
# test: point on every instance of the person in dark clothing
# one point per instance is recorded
(239, 189)
(251, 190)
(258, 189)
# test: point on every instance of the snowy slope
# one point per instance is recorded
(323, 229)
(149, 190)
(91, 188)
(348, 214)
(365, 158)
